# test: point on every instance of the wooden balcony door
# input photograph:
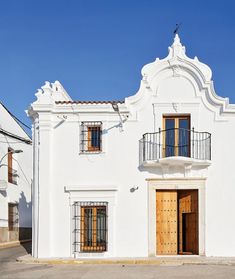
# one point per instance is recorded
(176, 136)
(176, 222)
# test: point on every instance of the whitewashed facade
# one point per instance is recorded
(15, 179)
(123, 177)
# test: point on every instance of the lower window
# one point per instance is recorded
(13, 217)
(90, 222)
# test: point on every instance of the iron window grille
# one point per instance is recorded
(91, 136)
(89, 226)
(13, 217)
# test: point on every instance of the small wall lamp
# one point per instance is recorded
(115, 106)
(133, 189)
(16, 151)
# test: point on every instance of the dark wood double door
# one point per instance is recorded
(177, 222)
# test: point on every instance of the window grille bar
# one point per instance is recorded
(90, 226)
(91, 136)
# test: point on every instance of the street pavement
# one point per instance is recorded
(9, 268)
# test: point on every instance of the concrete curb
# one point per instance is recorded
(28, 259)
(13, 243)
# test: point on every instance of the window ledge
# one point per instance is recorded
(12, 183)
(84, 188)
(92, 153)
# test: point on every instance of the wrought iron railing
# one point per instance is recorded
(175, 142)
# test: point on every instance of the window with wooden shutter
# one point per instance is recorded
(10, 159)
(90, 226)
(13, 217)
(12, 174)
(91, 136)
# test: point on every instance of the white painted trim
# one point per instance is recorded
(91, 193)
(177, 184)
(85, 188)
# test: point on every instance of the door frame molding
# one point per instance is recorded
(175, 184)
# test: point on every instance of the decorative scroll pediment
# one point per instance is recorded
(51, 92)
(178, 65)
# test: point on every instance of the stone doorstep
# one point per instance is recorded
(13, 243)
(167, 261)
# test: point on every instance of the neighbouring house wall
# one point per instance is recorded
(17, 194)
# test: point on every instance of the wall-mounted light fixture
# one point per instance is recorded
(15, 151)
(133, 189)
(115, 106)
(116, 109)
(12, 151)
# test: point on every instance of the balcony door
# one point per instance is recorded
(176, 136)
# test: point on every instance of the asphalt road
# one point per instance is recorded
(9, 268)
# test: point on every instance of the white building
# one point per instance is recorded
(152, 175)
(15, 179)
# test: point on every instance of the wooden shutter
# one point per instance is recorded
(10, 159)
(94, 138)
(10, 217)
(13, 217)
(188, 221)
(166, 222)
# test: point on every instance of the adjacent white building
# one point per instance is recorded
(15, 179)
(151, 175)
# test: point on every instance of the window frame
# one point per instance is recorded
(95, 246)
(92, 239)
(12, 173)
(86, 145)
(13, 218)
(176, 118)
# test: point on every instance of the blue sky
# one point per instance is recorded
(96, 49)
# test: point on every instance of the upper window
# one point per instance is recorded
(12, 174)
(13, 216)
(176, 136)
(91, 136)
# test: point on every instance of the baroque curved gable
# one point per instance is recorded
(179, 66)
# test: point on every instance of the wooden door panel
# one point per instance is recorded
(188, 221)
(166, 222)
(190, 238)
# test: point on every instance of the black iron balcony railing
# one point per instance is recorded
(175, 142)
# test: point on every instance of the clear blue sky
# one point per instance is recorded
(97, 48)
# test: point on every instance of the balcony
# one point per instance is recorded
(176, 146)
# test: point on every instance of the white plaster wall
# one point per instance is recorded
(20, 193)
(188, 91)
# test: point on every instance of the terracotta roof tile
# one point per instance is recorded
(87, 102)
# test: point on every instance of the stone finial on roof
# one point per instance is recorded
(177, 48)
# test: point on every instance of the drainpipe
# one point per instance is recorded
(35, 189)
